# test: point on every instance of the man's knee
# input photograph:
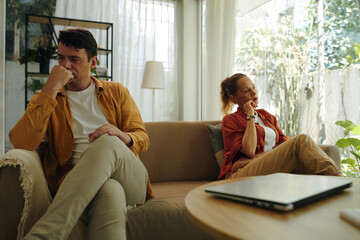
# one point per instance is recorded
(107, 213)
(108, 140)
(112, 190)
(110, 200)
(109, 144)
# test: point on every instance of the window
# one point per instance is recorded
(278, 45)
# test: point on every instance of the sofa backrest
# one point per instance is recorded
(180, 151)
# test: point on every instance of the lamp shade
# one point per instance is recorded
(153, 75)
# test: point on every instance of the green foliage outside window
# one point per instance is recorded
(356, 58)
(341, 31)
(283, 54)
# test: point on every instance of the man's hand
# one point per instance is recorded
(59, 77)
(110, 130)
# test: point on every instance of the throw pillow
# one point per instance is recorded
(217, 143)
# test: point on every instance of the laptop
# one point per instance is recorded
(281, 191)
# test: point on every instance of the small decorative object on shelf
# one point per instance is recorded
(101, 71)
(43, 52)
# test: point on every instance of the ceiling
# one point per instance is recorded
(245, 6)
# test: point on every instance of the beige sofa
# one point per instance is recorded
(179, 159)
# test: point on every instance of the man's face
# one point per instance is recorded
(76, 61)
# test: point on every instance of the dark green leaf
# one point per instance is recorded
(356, 155)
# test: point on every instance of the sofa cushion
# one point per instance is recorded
(175, 189)
(217, 143)
(179, 151)
(164, 217)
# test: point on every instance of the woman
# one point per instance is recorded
(254, 143)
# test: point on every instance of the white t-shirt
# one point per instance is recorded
(270, 135)
(87, 116)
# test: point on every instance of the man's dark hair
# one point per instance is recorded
(79, 38)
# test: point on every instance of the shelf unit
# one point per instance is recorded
(70, 22)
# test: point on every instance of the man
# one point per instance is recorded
(94, 132)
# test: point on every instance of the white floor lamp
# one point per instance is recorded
(153, 79)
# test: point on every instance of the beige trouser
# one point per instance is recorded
(107, 177)
(297, 155)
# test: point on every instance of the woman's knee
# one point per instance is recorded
(303, 139)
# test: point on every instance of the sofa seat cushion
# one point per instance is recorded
(164, 216)
(175, 189)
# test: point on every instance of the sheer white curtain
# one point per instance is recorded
(144, 30)
(218, 55)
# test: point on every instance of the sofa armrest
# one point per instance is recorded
(22, 167)
(333, 152)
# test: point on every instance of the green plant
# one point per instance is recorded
(341, 30)
(43, 52)
(356, 58)
(35, 84)
(350, 146)
(93, 71)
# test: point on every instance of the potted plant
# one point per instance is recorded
(42, 53)
(35, 85)
(350, 144)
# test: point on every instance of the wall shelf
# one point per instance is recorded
(50, 22)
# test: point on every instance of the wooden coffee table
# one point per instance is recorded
(226, 219)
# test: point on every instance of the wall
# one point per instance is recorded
(2, 76)
(14, 95)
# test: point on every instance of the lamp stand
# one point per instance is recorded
(153, 102)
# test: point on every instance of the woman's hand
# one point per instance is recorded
(242, 162)
(249, 107)
(249, 140)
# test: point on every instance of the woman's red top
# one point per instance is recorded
(233, 129)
